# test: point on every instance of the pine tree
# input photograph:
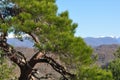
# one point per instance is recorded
(50, 31)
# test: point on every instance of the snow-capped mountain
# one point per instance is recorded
(101, 41)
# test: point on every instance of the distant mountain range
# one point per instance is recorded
(18, 43)
(94, 42)
(103, 47)
(101, 41)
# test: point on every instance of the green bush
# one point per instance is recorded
(5, 70)
(93, 73)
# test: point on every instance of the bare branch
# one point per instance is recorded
(33, 61)
(35, 38)
(56, 66)
(39, 57)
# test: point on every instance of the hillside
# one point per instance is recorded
(105, 53)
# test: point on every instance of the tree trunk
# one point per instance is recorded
(25, 73)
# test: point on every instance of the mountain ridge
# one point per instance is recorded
(92, 41)
(97, 41)
(18, 43)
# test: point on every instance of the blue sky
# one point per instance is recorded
(94, 17)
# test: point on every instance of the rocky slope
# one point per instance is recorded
(105, 53)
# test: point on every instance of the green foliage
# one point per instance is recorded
(114, 66)
(93, 73)
(4, 27)
(54, 30)
(5, 71)
(117, 53)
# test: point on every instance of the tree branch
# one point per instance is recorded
(33, 61)
(16, 56)
(41, 58)
(35, 38)
(56, 66)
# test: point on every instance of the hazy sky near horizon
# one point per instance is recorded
(94, 17)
